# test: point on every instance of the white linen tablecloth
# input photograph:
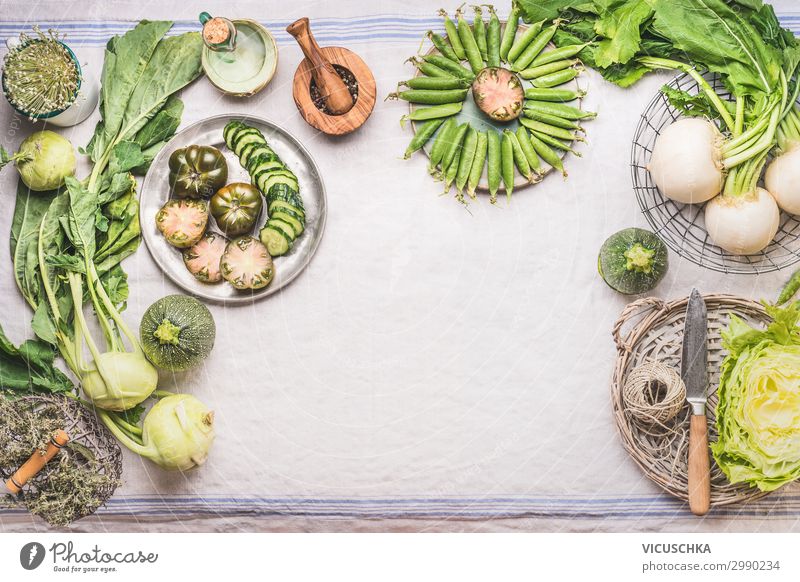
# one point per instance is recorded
(433, 369)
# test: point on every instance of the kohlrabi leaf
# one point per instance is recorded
(29, 368)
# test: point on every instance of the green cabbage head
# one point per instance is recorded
(758, 415)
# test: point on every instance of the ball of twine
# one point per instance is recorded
(654, 393)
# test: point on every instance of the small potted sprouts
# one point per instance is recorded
(42, 79)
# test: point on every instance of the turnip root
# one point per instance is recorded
(745, 224)
(783, 180)
(686, 164)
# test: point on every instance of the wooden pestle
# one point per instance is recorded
(37, 461)
(331, 87)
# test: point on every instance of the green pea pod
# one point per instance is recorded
(541, 70)
(564, 52)
(493, 39)
(534, 48)
(442, 143)
(452, 170)
(520, 160)
(476, 171)
(424, 133)
(552, 95)
(509, 32)
(555, 143)
(555, 79)
(550, 119)
(557, 132)
(431, 96)
(524, 140)
(493, 163)
(433, 112)
(790, 289)
(466, 159)
(559, 109)
(547, 154)
(470, 46)
(479, 32)
(429, 69)
(437, 83)
(525, 39)
(443, 46)
(507, 163)
(455, 145)
(451, 67)
(452, 36)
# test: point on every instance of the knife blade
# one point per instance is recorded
(694, 372)
(694, 354)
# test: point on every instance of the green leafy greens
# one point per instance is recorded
(68, 245)
(740, 40)
(758, 415)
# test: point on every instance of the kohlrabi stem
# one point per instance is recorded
(162, 393)
(658, 63)
(77, 298)
(122, 436)
(112, 311)
(111, 340)
(129, 428)
(65, 346)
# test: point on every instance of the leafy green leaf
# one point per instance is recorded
(162, 126)
(28, 212)
(81, 218)
(125, 156)
(30, 368)
(710, 33)
(619, 23)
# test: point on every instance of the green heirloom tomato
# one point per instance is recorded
(197, 171)
(236, 208)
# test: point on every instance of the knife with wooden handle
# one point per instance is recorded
(694, 372)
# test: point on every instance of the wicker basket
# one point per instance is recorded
(652, 329)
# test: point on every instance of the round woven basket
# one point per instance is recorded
(651, 329)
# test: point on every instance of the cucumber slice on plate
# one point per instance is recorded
(276, 242)
(241, 142)
(282, 226)
(297, 225)
(291, 210)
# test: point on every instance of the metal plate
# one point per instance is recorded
(480, 121)
(155, 193)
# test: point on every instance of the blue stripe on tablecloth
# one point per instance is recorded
(599, 508)
(375, 28)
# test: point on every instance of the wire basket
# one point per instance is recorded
(682, 226)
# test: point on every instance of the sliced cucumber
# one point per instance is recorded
(285, 193)
(228, 131)
(265, 167)
(276, 242)
(238, 132)
(261, 179)
(282, 226)
(260, 153)
(297, 226)
(244, 141)
(279, 177)
(290, 209)
(247, 152)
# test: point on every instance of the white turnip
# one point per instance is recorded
(783, 180)
(686, 164)
(743, 224)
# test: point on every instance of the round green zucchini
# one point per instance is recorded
(177, 333)
(633, 261)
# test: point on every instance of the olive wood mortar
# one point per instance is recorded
(318, 65)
